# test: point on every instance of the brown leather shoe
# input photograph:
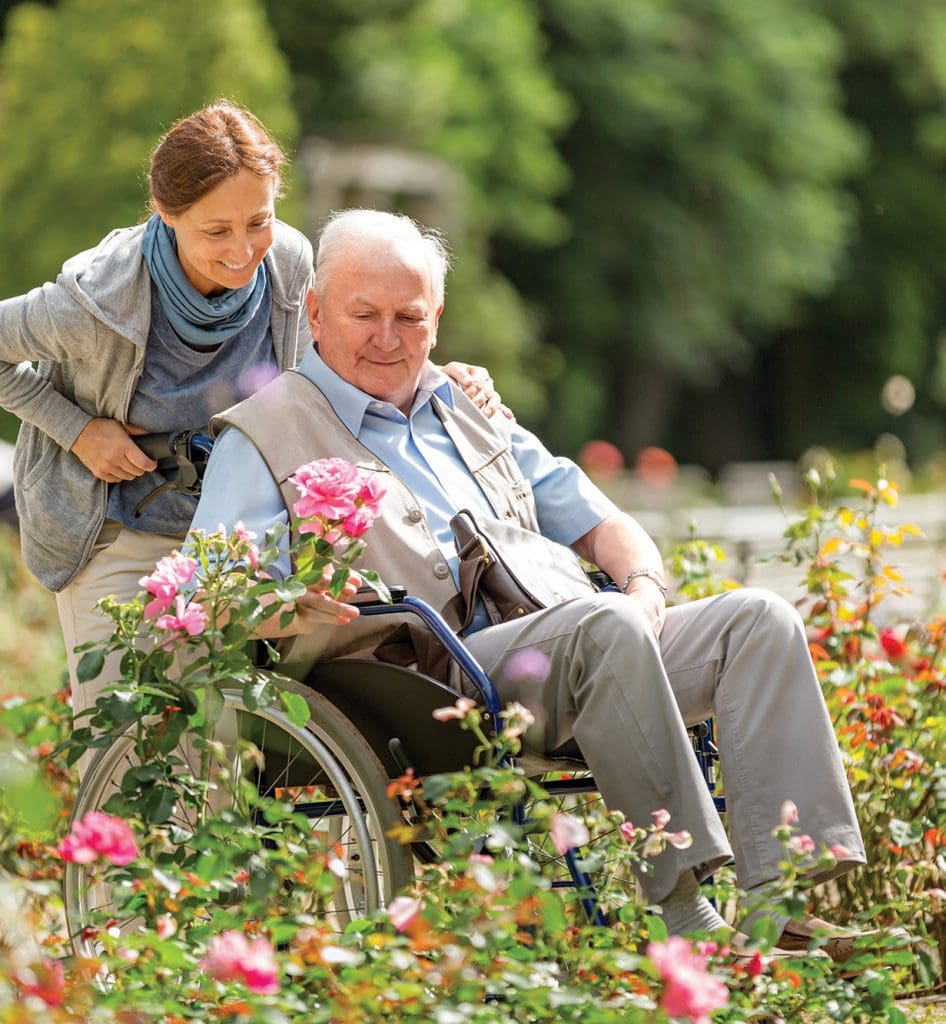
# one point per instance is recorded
(841, 944)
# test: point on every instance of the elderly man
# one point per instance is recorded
(628, 674)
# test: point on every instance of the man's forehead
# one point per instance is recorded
(370, 276)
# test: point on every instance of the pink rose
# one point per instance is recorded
(245, 538)
(403, 912)
(567, 832)
(98, 834)
(171, 573)
(190, 619)
(371, 492)
(789, 813)
(330, 534)
(689, 991)
(327, 487)
(661, 817)
(231, 956)
(360, 521)
(628, 831)
(802, 844)
(459, 710)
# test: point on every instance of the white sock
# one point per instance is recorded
(687, 910)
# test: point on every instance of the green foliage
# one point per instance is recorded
(87, 87)
(707, 160)
(887, 310)
(466, 81)
(32, 656)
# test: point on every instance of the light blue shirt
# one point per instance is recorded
(238, 486)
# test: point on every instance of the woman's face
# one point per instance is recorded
(223, 237)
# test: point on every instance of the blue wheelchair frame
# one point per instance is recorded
(704, 746)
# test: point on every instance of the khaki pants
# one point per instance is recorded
(626, 696)
(119, 559)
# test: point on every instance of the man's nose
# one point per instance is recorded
(386, 335)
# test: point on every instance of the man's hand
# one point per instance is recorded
(478, 387)
(317, 607)
(105, 447)
(646, 592)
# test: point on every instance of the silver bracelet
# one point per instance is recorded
(650, 574)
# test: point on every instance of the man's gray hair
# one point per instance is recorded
(345, 228)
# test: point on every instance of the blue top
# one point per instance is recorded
(239, 486)
(182, 386)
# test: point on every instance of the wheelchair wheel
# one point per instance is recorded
(325, 768)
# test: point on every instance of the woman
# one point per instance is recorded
(155, 329)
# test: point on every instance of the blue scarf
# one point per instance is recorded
(196, 319)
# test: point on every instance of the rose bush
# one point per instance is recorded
(202, 928)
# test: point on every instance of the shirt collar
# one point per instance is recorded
(352, 405)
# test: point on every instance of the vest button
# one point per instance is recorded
(441, 570)
(415, 515)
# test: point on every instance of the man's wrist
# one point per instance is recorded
(645, 574)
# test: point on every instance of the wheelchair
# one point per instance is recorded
(369, 723)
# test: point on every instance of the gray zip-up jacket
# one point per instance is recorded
(87, 334)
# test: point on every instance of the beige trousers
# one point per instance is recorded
(625, 697)
(119, 559)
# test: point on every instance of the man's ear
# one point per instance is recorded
(433, 344)
(314, 309)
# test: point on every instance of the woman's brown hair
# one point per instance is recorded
(204, 149)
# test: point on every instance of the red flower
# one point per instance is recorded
(45, 980)
(892, 644)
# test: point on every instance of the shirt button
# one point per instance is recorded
(415, 515)
(441, 570)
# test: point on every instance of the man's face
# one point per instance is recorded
(377, 323)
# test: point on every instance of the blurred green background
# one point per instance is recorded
(709, 225)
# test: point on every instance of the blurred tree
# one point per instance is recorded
(708, 158)
(464, 80)
(887, 314)
(87, 87)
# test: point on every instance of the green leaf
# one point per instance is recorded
(373, 580)
(213, 705)
(353, 552)
(906, 833)
(656, 929)
(290, 591)
(159, 804)
(553, 916)
(295, 706)
(90, 665)
(764, 929)
(259, 692)
(339, 578)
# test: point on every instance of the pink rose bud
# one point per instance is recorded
(403, 912)
(568, 832)
(231, 956)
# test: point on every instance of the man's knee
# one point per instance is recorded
(612, 615)
(764, 611)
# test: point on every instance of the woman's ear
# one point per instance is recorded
(162, 213)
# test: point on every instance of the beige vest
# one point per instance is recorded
(290, 421)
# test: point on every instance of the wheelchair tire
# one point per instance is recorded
(328, 754)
